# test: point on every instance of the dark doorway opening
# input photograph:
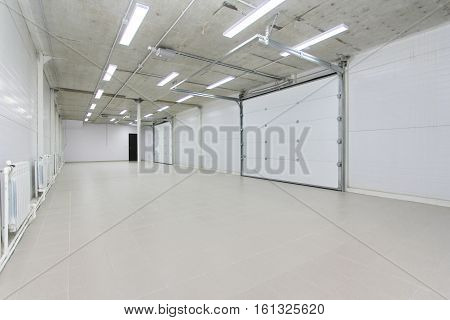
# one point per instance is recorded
(132, 147)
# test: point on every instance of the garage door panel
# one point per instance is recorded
(298, 143)
(314, 151)
(292, 171)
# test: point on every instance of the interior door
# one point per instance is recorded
(132, 147)
(293, 135)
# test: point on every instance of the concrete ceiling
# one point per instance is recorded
(80, 33)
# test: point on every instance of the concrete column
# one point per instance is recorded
(138, 130)
(40, 105)
(53, 121)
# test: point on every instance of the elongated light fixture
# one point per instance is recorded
(185, 98)
(219, 83)
(123, 111)
(321, 37)
(86, 120)
(113, 119)
(167, 79)
(242, 44)
(93, 106)
(139, 13)
(99, 93)
(249, 19)
(148, 115)
(89, 114)
(109, 72)
(163, 108)
(177, 84)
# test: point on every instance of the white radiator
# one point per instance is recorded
(46, 171)
(18, 194)
(43, 177)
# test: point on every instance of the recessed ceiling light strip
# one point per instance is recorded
(219, 83)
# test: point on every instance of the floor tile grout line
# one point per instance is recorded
(98, 236)
(259, 253)
(359, 240)
(70, 244)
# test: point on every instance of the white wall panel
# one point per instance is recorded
(163, 143)
(18, 89)
(147, 143)
(399, 117)
(186, 135)
(95, 142)
(311, 109)
(221, 137)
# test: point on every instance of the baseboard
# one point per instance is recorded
(404, 197)
(90, 161)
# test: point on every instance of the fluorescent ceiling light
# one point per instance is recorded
(323, 36)
(126, 117)
(139, 13)
(177, 84)
(242, 44)
(148, 115)
(89, 114)
(93, 106)
(218, 83)
(116, 122)
(167, 79)
(99, 93)
(131, 123)
(109, 72)
(86, 120)
(163, 108)
(185, 98)
(113, 119)
(246, 21)
(123, 111)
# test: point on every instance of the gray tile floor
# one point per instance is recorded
(107, 232)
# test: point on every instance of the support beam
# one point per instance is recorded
(138, 117)
(53, 122)
(300, 54)
(172, 52)
(205, 95)
(40, 105)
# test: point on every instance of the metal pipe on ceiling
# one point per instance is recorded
(152, 75)
(246, 3)
(118, 96)
(205, 95)
(141, 64)
(130, 4)
(220, 63)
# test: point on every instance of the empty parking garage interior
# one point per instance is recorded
(229, 150)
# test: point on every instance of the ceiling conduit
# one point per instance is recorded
(142, 63)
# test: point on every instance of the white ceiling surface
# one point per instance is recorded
(82, 32)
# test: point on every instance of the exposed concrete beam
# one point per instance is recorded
(87, 92)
